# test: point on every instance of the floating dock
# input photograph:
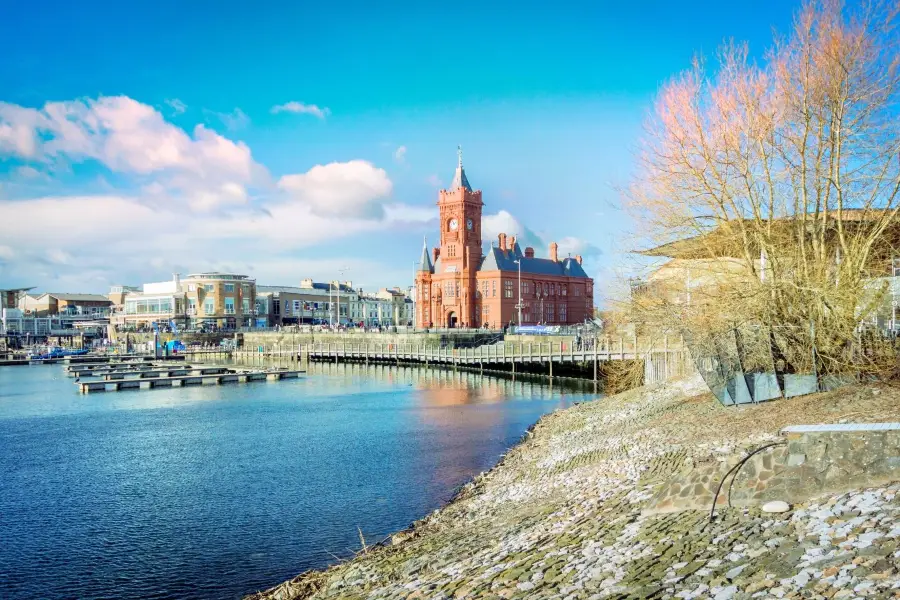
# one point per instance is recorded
(162, 373)
(95, 370)
(87, 359)
(230, 376)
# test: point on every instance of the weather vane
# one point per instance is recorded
(459, 154)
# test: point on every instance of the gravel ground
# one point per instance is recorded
(562, 515)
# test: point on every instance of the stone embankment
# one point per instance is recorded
(574, 510)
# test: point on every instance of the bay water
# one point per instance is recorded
(220, 491)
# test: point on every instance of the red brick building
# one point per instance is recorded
(457, 285)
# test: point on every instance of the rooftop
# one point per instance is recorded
(77, 297)
(217, 275)
(504, 260)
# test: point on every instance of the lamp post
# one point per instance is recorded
(519, 303)
(342, 270)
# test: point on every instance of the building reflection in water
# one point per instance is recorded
(466, 419)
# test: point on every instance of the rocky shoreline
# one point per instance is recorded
(568, 513)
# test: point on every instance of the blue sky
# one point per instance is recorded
(161, 149)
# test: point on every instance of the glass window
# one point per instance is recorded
(508, 288)
(192, 305)
(564, 289)
(209, 287)
(245, 305)
(208, 307)
(562, 313)
(229, 306)
(276, 306)
(192, 287)
(165, 306)
(494, 287)
(229, 287)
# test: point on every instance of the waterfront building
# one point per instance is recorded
(200, 300)
(13, 320)
(309, 303)
(331, 302)
(458, 285)
(50, 304)
(51, 313)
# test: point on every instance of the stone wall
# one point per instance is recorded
(810, 460)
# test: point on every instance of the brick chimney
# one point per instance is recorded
(529, 252)
(554, 251)
(512, 243)
(502, 238)
(578, 258)
(435, 253)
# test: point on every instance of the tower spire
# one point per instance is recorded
(425, 260)
(459, 178)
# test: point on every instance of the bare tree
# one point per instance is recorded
(779, 181)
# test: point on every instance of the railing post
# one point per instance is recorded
(666, 356)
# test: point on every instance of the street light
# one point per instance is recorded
(518, 262)
(342, 270)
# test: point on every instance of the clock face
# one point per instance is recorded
(454, 224)
(469, 224)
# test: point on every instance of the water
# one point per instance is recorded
(216, 492)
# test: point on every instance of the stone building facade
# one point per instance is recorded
(458, 285)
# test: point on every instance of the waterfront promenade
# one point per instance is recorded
(574, 511)
(662, 360)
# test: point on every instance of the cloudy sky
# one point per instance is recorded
(287, 140)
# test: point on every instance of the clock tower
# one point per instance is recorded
(450, 284)
(460, 211)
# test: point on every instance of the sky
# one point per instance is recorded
(286, 140)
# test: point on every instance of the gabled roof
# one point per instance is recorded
(504, 260)
(79, 297)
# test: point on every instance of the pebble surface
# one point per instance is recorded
(563, 515)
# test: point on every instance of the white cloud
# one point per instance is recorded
(504, 222)
(179, 199)
(400, 155)
(301, 108)
(17, 130)
(59, 257)
(434, 181)
(351, 189)
(574, 246)
(27, 172)
(133, 138)
(233, 121)
(178, 107)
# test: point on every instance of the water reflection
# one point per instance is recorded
(218, 491)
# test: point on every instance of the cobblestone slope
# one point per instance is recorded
(563, 515)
